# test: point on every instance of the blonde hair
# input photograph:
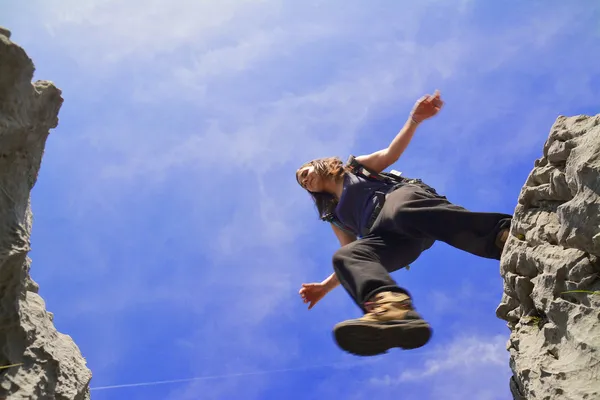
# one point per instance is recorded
(328, 167)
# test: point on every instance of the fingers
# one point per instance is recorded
(304, 294)
(435, 97)
(432, 97)
(433, 100)
(310, 300)
(437, 101)
(305, 286)
(309, 294)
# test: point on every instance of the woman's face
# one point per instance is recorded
(310, 180)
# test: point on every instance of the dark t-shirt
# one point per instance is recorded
(358, 201)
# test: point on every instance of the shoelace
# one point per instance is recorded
(372, 306)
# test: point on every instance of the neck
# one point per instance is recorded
(335, 188)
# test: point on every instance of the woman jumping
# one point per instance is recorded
(384, 225)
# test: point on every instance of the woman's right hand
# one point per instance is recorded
(426, 107)
(313, 292)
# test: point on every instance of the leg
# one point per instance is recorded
(363, 266)
(390, 319)
(414, 212)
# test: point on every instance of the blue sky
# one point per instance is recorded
(170, 237)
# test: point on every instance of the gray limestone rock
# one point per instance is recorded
(551, 269)
(49, 364)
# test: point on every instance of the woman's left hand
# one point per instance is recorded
(426, 107)
(313, 292)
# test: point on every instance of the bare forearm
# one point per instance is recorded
(331, 282)
(401, 141)
(382, 159)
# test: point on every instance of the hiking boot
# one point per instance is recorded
(501, 238)
(390, 321)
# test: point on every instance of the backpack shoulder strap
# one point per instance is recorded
(358, 169)
(331, 218)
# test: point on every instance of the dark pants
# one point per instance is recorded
(411, 220)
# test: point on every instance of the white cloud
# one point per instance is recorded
(468, 354)
(244, 130)
(467, 367)
(143, 29)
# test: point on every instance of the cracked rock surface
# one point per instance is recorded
(551, 269)
(51, 365)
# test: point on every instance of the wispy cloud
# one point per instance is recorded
(143, 30)
(475, 362)
(242, 126)
(467, 354)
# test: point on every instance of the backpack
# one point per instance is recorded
(393, 178)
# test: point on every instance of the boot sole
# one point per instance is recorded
(366, 339)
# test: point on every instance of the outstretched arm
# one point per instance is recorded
(382, 159)
(426, 107)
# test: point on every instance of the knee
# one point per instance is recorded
(344, 255)
(341, 255)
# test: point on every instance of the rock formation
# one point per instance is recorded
(49, 364)
(551, 269)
